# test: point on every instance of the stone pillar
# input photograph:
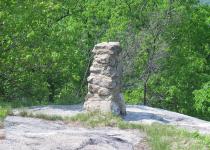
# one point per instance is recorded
(104, 82)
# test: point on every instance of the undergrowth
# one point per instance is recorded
(4, 111)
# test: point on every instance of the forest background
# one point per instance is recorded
(45, 51)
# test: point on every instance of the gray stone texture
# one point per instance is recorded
(104, 81)
(37, 134)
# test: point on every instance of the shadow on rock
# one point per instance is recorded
(142, 116)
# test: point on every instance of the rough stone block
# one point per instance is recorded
(104, 81)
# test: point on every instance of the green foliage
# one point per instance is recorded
(202, 100)
(173, 59)
(4, 111)
(45, 50)
(187, 66)
(40, 57)
(133, 96)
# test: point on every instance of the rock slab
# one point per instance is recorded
(135, 114)
(104, 82)
(37, 134)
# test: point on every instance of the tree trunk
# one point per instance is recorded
(51, 88)
(145, 93)
(51, 95)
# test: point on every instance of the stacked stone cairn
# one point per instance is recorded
(104, 81)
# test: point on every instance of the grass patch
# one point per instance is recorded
(167, 137)
(160, 137)
(96, 119)
(41, 116)
(91, 119)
